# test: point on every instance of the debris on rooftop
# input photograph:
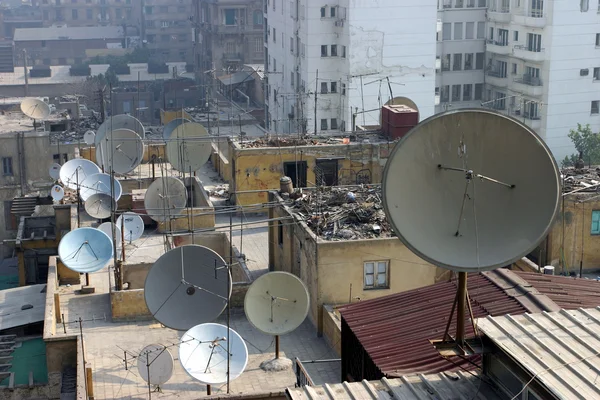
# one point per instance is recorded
(585, 180)
(344, 213)
(220, 191)
(288, 142)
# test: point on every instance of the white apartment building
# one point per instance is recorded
(333, 63)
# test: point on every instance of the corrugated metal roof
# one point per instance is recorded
(560, 349)
(426, 387)
(395, 330)
(12, 302)
(68, 33)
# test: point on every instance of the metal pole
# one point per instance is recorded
(208, 390)
(123, 238)
(462, 302)
(148, 369)
(78, 198)
(229, 300)
(83, 356)
(276, 346)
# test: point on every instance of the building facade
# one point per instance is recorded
(88, 12)
(167, 30)
(329, 64)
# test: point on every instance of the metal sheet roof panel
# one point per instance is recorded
(12, 300)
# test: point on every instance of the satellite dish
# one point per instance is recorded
(277, 303)
(165, 198)
(121, 150)
(188, 147)
(57, 193)
(155, 364)
(170, 127)
(199, 296)
(89, 137)
(121, 121)
(78, 168)
(106, 227)
(35, 108)
(54, 171)
(100, 205)
(85, 250)
(203, 353)
(482, 191)
(133, 226)
(99, 183)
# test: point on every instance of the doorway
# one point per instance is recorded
(326, 172)
(296, 170)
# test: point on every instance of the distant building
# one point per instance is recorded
(166, 29)
(88, 12)
(66, 45)
(23, 16)
(7, 57)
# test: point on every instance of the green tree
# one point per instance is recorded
(587, 143)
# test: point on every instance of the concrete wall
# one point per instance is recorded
(202, 212)
(220, 159)
(128, 304)
(332, 328)
(135, 274)
(67, 276)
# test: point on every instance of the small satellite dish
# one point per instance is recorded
(78, 168)
(106, 227)
(89, 137)
(100, 205)
(54, 171)
(57, 193)
(188, 147)
(482, 191)
(121, 150)
(121, 121)
(203, 353)
(277, 303)
(155, 364)
(186, 286)
(35, 108)
(99, 183)
(170, 127)
(165, 198)
(133, 226)
(85, 250)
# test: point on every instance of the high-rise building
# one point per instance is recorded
(332, 65)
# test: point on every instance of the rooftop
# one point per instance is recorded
(395, 330)
(585, 181)
(22, 306)
(314, 140)
(68, 33)
(344, 213)
(559, 349)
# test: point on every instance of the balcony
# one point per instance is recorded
(499, 14)
(533, 19)
(532, 120)
(496, 78)
(529, 85)
(525, 53)
(498, 47)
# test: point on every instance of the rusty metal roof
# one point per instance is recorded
(395, 330)
(426, 387)
(558, 349)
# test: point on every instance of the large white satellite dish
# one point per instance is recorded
(35, 108)
(165, 198)
(107, 227)
(121, 121)
(54, 171)
(85, 250)
(188, 147)
(121, 150)
(57, 193)
(170, 127)
(73, 173)
(203, 353)
(155, 364)
(277, 303)
(482, 191)
(89, 137)
(133, 226)
(100, 205)
(187, 286)
(99, 183)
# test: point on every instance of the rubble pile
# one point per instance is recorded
(586, 180)
(336, 213)
(287, 141)
(219, 191)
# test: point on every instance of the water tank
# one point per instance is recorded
(548, 270)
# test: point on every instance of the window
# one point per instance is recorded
(258, 45)
(334, 50)
(458, 4)
(597, 39)
(457, 64)
(292, 78)
(376, 275)
(324, 51)
(127, 106)
(334, 124)
(280, 233)
(7, 166)
(333, 88)
(467, 92)
(57, 159)
(274, 35)
(323, 12)
(257, 17)
(596, 73)
(596, 222)
(470, 30)
(491, 36)
(455, 92)
(446, 31)
(343, 51)
(323, 124)
(534, 42)
(480, 30)
(478, 91)
(458, 31)
(274, 65)
(584, 5)
(479, 57)
(514, 69)
(323, 87)
(343, 89)
(595, 109)
(89, 14)
(516, 36)
(74, 14)
(446, 62)
(332, 12)
(148, 10)
(445, 94)
(468, 61)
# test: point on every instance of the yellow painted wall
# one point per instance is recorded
(128, 304)
(202, 218)
(332, 328)
(578, 226)
(66, 275)
(168, 116)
